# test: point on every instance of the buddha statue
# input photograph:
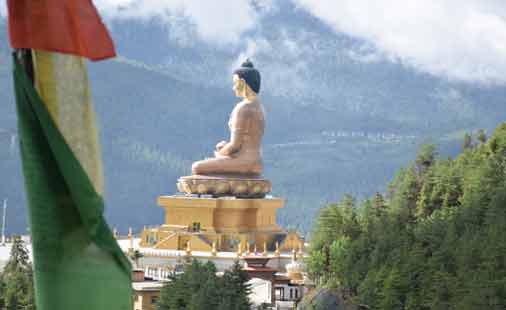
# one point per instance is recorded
(236, 167)
(241, 155)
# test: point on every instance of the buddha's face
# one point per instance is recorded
(239, 86)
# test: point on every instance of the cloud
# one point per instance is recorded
(281, 61)
(252, 49)
(218, 21)
(462, 40)
(3, 9)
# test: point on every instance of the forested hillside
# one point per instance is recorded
(436, 240)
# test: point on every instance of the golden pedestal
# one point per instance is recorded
(228, 222)
(225, 185)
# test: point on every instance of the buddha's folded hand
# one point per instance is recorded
(220, 145)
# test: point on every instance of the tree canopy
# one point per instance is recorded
(16, 280)
(198, 288)
(435, 240)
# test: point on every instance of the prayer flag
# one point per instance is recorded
(77, 262)
(65, 26)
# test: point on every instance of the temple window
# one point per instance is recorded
(152, 238)
(195, 227)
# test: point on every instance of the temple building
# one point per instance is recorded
(220, 225)
(221, 230)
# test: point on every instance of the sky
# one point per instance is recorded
(461, 40)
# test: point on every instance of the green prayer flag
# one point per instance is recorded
(77, 262)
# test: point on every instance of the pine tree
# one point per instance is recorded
(175, 294)
(466, 144)
(482, 137)
(16, 280)
(425, 158)
(207, 297)
(198, 288)
(379, 204)
(392, 297)
(236, 289)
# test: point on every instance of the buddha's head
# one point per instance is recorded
(246, 80)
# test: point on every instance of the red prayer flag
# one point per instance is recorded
(65, 26)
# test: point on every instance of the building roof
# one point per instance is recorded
(147, 286)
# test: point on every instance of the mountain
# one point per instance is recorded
(337, 121)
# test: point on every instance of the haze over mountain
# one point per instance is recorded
(346, 103)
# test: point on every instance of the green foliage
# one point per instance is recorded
(16, 280)
(467, 143)
(234, 289)
(198, 288)
(437, 241)
(482, 136)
